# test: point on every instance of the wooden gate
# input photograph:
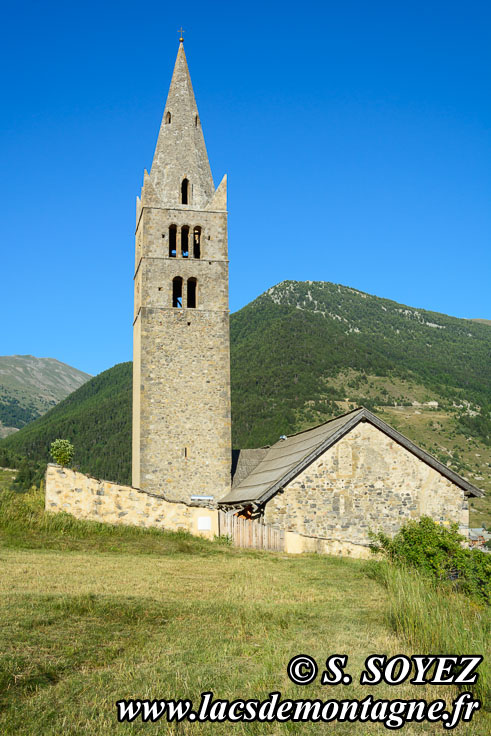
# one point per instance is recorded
(250, 533)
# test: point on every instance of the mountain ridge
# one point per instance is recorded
(30, 386)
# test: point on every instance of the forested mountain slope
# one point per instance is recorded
(96, 418)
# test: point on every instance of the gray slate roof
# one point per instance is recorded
(247, 460)
(287, 458)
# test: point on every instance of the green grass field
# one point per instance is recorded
(7, 476)
(91, 614)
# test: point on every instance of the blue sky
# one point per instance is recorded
(355, 136)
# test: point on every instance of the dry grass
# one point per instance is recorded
(164, 616)
(436, 620)
(80, 631)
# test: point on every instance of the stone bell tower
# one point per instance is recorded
(181, 357)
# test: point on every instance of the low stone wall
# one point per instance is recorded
(100, 500)
(297, 543)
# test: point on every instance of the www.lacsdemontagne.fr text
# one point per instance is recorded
(393, 714)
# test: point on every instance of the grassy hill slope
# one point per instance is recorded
(290, 343)
(31, 386)
(301, 353)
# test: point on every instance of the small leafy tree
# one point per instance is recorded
(61, 452)
(438, 551)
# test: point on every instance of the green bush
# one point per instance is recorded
(438, 551)
(61, 451)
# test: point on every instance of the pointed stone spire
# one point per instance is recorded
(181, 152)
(218, 202)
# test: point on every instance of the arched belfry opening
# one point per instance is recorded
(185, 191)
(168, 118)
(172, 241)
(197, 242)
(185, 241)
(177, 292)
(192, 295)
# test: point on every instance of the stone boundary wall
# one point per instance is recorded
(100, 500)
(297, 543)
(111, 503)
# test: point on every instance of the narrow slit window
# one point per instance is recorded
(168, 118)
(185, 241)
(172, 241)
(192, 293)
(197, 242)
(185, 191)
(196, 120)
(177, 292)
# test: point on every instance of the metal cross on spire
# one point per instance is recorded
(180, 31)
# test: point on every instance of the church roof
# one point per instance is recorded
(181, 151)
(244, 462)
(284, 460)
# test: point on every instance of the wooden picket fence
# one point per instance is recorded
(250, 533)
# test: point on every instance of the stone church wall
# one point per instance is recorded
(366, 481)
(100, 500)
